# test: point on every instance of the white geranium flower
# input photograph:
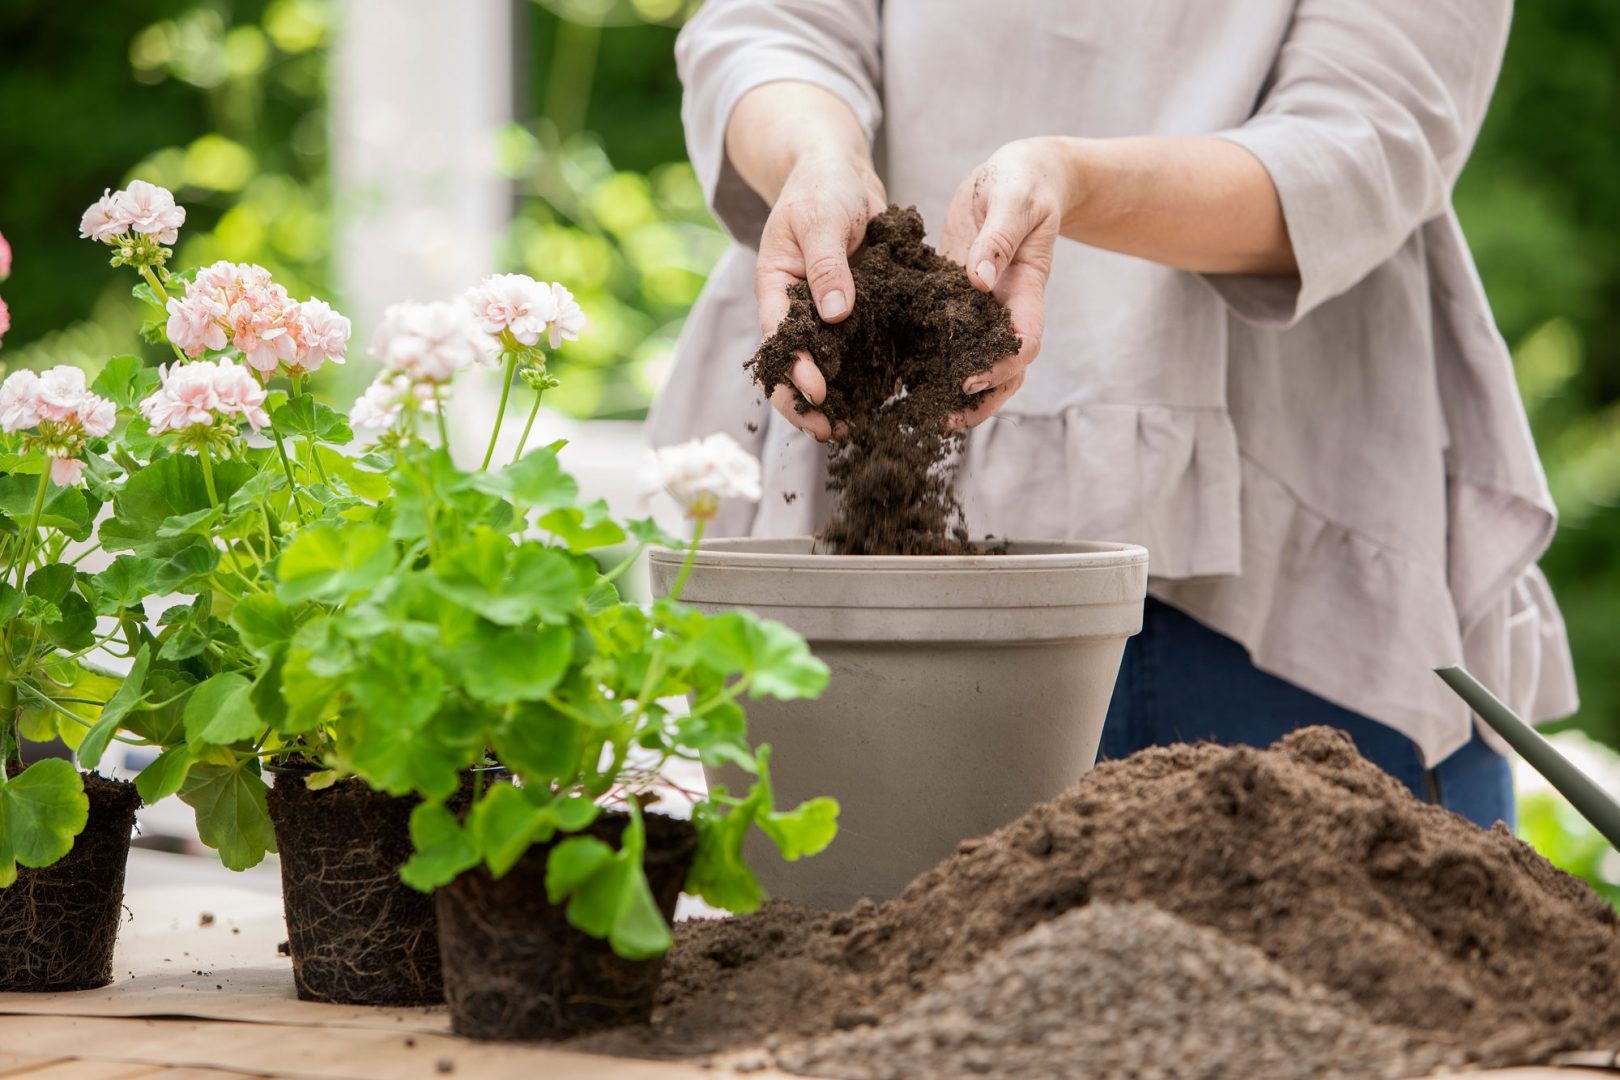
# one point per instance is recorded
(700, 473)
(431, 342)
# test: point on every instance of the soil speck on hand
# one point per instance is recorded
(205, 919)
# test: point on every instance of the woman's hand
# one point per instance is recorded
(816, 223)
(1003, 224)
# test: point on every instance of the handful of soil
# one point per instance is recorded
(894, 371)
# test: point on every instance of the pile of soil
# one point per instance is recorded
(1058, 999)
(1306, 851)
(894, 369)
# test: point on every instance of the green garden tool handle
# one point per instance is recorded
(1591, 801)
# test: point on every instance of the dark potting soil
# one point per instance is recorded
(58, 924)
(514, 967)
(358, 934)
(894, 369)
(1465, 937)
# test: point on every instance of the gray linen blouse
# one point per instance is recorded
(1334, 469)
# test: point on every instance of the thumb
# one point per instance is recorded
(993, 248)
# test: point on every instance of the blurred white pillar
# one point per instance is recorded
(419, 89)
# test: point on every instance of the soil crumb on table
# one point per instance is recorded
(1120, 990)
(1464, 937)
(894, 369)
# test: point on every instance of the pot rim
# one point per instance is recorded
(1059, 555)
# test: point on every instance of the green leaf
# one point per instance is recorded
(572, 863)
(719, 875)
(258, 488)
(126, 381)
(128, 695)
(583, 529)
(805, 830)
(304, 416)
(776, 659)
(648, 531)
(504, 825)
(500, 665)
(330, 562)
(52, 582)
(232, 817)
(265, 624)
(11, 602)
(364, 483)
(169, 487)
(443, 848)
(42, 809)
(187, 567)
(535, 481)
(189, 629)
(125, 584)
(608, 894)
(67, 509)
(220, 711)
(508, 585)
(539, 743)
(165, 775)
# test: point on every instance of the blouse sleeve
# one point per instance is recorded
(1370, 112)
(732, 46)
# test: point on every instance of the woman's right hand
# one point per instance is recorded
(815, 225)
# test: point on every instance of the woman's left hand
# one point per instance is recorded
(1002, 226)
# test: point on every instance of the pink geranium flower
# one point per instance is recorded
(59, 412)
(66, 471)
(202, 393)
(5, 258)
(19, 401)
(512, 302)
(103, 220)
(319, 334)
(237, 304)
(151, 210)
(5, 317)
(569, 321)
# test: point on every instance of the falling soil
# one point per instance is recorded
(1056, 999)
(514, 968)
(894, 370)
(358, 934)
(1464, 937)
(58, 924)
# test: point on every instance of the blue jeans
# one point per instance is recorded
(1180, 681)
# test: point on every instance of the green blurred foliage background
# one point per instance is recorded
(224, 102)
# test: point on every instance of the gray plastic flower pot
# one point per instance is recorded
(964, 690)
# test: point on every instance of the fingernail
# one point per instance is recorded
(833, 305)
(987, 273)
(974, 386)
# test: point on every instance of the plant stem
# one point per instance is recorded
(500, 412)
(10, 741)
(207, 461)
(33, 525)
(524, 441)
(286, 467)
(691, 557)
(438, 418)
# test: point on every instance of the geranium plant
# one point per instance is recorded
(201, 507)
(464, 619)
